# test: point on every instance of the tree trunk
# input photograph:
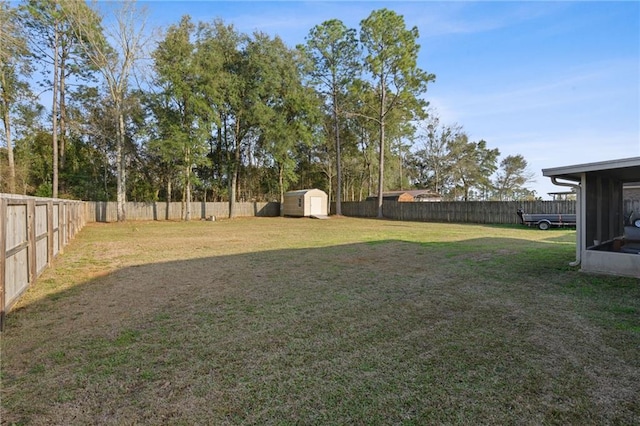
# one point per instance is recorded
(383, 94)
(381, 172)
(120, 167)
(337, 192)
(235, 167)
(338, 154)
(169, 189)
(7, 133)
(187, 213)
(281, 185)
(232, 191)
(54, 114)
(401, 161)
(217, 165)
(63, 115)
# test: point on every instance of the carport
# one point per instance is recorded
(607, 241)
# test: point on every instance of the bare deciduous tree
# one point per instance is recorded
(114, 51)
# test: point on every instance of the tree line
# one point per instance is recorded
(206, 112)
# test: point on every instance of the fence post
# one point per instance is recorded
(3, 258)
(49, 233)
(62, 225)
(31, 241)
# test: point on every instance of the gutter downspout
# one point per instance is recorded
(579, 236)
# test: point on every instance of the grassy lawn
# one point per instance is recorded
(341, 321)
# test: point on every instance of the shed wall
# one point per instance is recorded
(294, 205)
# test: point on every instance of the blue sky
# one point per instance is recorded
(558, 82)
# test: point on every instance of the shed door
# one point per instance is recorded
(316, 206)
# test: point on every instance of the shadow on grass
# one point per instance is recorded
(485, 330)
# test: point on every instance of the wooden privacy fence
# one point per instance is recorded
(34, 231)
(498, 212)
(103, 211)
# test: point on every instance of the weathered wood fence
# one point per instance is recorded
(33, 231)
(498, 212)
(495, 212)
(103, 211)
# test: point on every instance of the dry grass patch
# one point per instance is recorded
(344, 321)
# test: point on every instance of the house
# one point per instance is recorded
(408, 196)
(399, 196)
(607, 240)
(562, 195)
(305, 202)
(426, 196)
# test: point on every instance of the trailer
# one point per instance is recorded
(545, 221)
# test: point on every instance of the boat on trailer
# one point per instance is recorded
(545, 221)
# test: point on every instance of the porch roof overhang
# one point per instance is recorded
(624, 170)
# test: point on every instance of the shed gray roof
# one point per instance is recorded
(625, 170)
(301, 191)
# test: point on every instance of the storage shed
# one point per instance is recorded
(608, 238)
(305, 202)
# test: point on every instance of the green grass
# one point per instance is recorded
(342, 321)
